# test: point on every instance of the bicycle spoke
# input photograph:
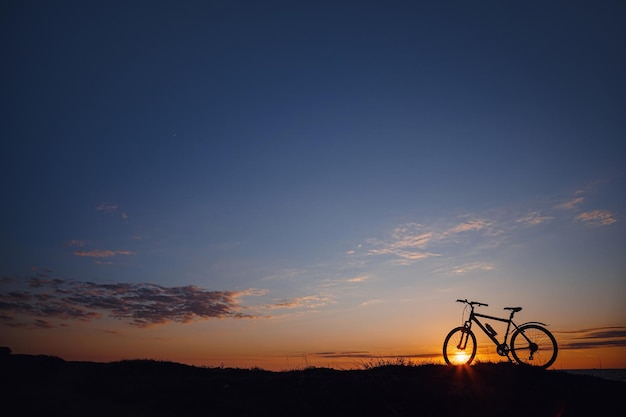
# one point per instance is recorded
(459, 347)
(538, 342)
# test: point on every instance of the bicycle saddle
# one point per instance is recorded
(514, 309)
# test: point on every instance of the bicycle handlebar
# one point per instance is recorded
(472, 303)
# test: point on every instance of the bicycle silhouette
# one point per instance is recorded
(531, 343)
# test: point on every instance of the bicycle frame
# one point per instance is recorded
(474, 318)
(503, 348)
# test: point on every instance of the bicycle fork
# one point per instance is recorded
(464, 337)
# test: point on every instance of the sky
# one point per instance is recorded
(284, 184)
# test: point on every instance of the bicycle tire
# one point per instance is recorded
(534, 345)
(451, 352)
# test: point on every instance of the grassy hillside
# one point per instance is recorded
(49, 386)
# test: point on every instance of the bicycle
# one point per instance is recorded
(531, 343)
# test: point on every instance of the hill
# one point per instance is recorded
(50, 386)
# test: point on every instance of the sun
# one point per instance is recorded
(459, 358)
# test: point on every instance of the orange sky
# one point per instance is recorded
(283, 344)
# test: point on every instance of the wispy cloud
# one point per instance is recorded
(75, 243)
(571, 204)
(589, 217)
(471, 234)
(535, 218)
(413, 242)
(344, 354)
(598, 337)
(473, 225)
(140, 305)
(376, 357)
(471, 267)
(111, 208)
(404, 257)
(411, 235)
(107, 207)
(97, 253)
(44, 324)
(308, 302)
(252, 292)
(596, 218)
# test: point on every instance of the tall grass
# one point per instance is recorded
(382, 361)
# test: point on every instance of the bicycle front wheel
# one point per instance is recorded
(459, 348)
(534, 345)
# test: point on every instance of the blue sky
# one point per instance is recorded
(307, 161)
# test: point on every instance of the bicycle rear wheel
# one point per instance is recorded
(459, 348)
(534, 345)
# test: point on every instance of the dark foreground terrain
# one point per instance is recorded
(49, 386)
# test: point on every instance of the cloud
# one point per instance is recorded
(592, 344)
(598, 337)
(406, 246)
(369, 302)
(411, 235)
(534, 219)
(252, 292)
(308, 302)
(593, 217)
(111, 208)
(344, 354)
(403, 257)
(75, 243)
(107, 207)
(571, 204)
(96, 253)
(603, 334)
(358, 279)
(472, 234)
(44, 324)
(413, 242)
(140, 305)
(469, 226)
(466, 268)
(383, 359)
(596, 218)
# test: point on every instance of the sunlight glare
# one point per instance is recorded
(460, 358)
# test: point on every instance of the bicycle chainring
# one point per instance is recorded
(503, 350)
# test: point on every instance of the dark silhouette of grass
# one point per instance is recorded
(50, 386)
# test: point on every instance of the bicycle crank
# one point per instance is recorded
(503, 349)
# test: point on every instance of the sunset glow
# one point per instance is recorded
(460, 358)
(296, 184)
